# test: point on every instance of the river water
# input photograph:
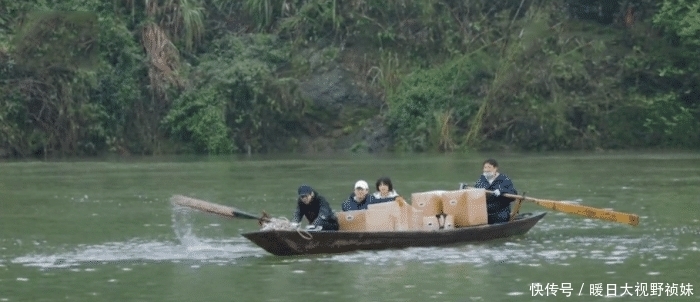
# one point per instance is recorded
(105, 231)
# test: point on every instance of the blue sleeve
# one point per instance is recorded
(371, 199)
(506, 186)
(347, 205)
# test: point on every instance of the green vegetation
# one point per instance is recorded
(85, 77)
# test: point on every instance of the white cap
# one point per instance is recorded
(361, 184)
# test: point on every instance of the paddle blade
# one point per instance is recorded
(210, 207)
(589, 212)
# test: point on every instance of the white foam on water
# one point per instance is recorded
(138, 251)
(473, 254)
(189, 247)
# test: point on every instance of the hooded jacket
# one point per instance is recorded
(317, 212)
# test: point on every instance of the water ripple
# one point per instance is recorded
(550, 243)
(136, 251)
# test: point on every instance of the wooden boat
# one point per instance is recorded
(287, 243)
(297, 242)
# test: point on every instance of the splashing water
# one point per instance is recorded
(188, 247)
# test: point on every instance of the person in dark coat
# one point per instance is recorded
(358, 199)
(316, 210)
(497, 205)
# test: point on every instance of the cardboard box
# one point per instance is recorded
(449, 222)
(416, 219)
(352, 220)
(380, 219)
(468, 207)
(476, 207)
(403, 216)
(430, 223)
(428, 202)
(398, 211)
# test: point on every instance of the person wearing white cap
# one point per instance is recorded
(359, 198)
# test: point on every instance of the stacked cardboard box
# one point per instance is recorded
(467, 206)
(476, 207)
(416, 217)
(395, 215)
(430, 223)
(456, 208)
(382, 217)
(449, 222)
(429, 202)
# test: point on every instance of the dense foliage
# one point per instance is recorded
(82, 77)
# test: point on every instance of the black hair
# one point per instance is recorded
(492, 162)
(384, 180)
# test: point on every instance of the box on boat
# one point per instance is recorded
(352, 220)
(398, 215)
(429, 202)
(416, 219)
(449, 222)
(468, 207)
(430, 223)
(380, 216)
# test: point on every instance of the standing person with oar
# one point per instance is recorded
(316, 210)
(497, 205)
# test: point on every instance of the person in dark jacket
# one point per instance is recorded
(316, 210)
(497, 205)
(358, 199)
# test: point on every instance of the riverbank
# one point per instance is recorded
(84, 78)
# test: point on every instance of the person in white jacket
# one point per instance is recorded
(385, 191)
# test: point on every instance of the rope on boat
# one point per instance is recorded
(284, 224)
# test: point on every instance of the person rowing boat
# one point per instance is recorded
(316, 210)
(497, 205)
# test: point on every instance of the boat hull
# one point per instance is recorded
(287, 243)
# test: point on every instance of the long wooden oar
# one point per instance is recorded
(214, 208)
(590, 212)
